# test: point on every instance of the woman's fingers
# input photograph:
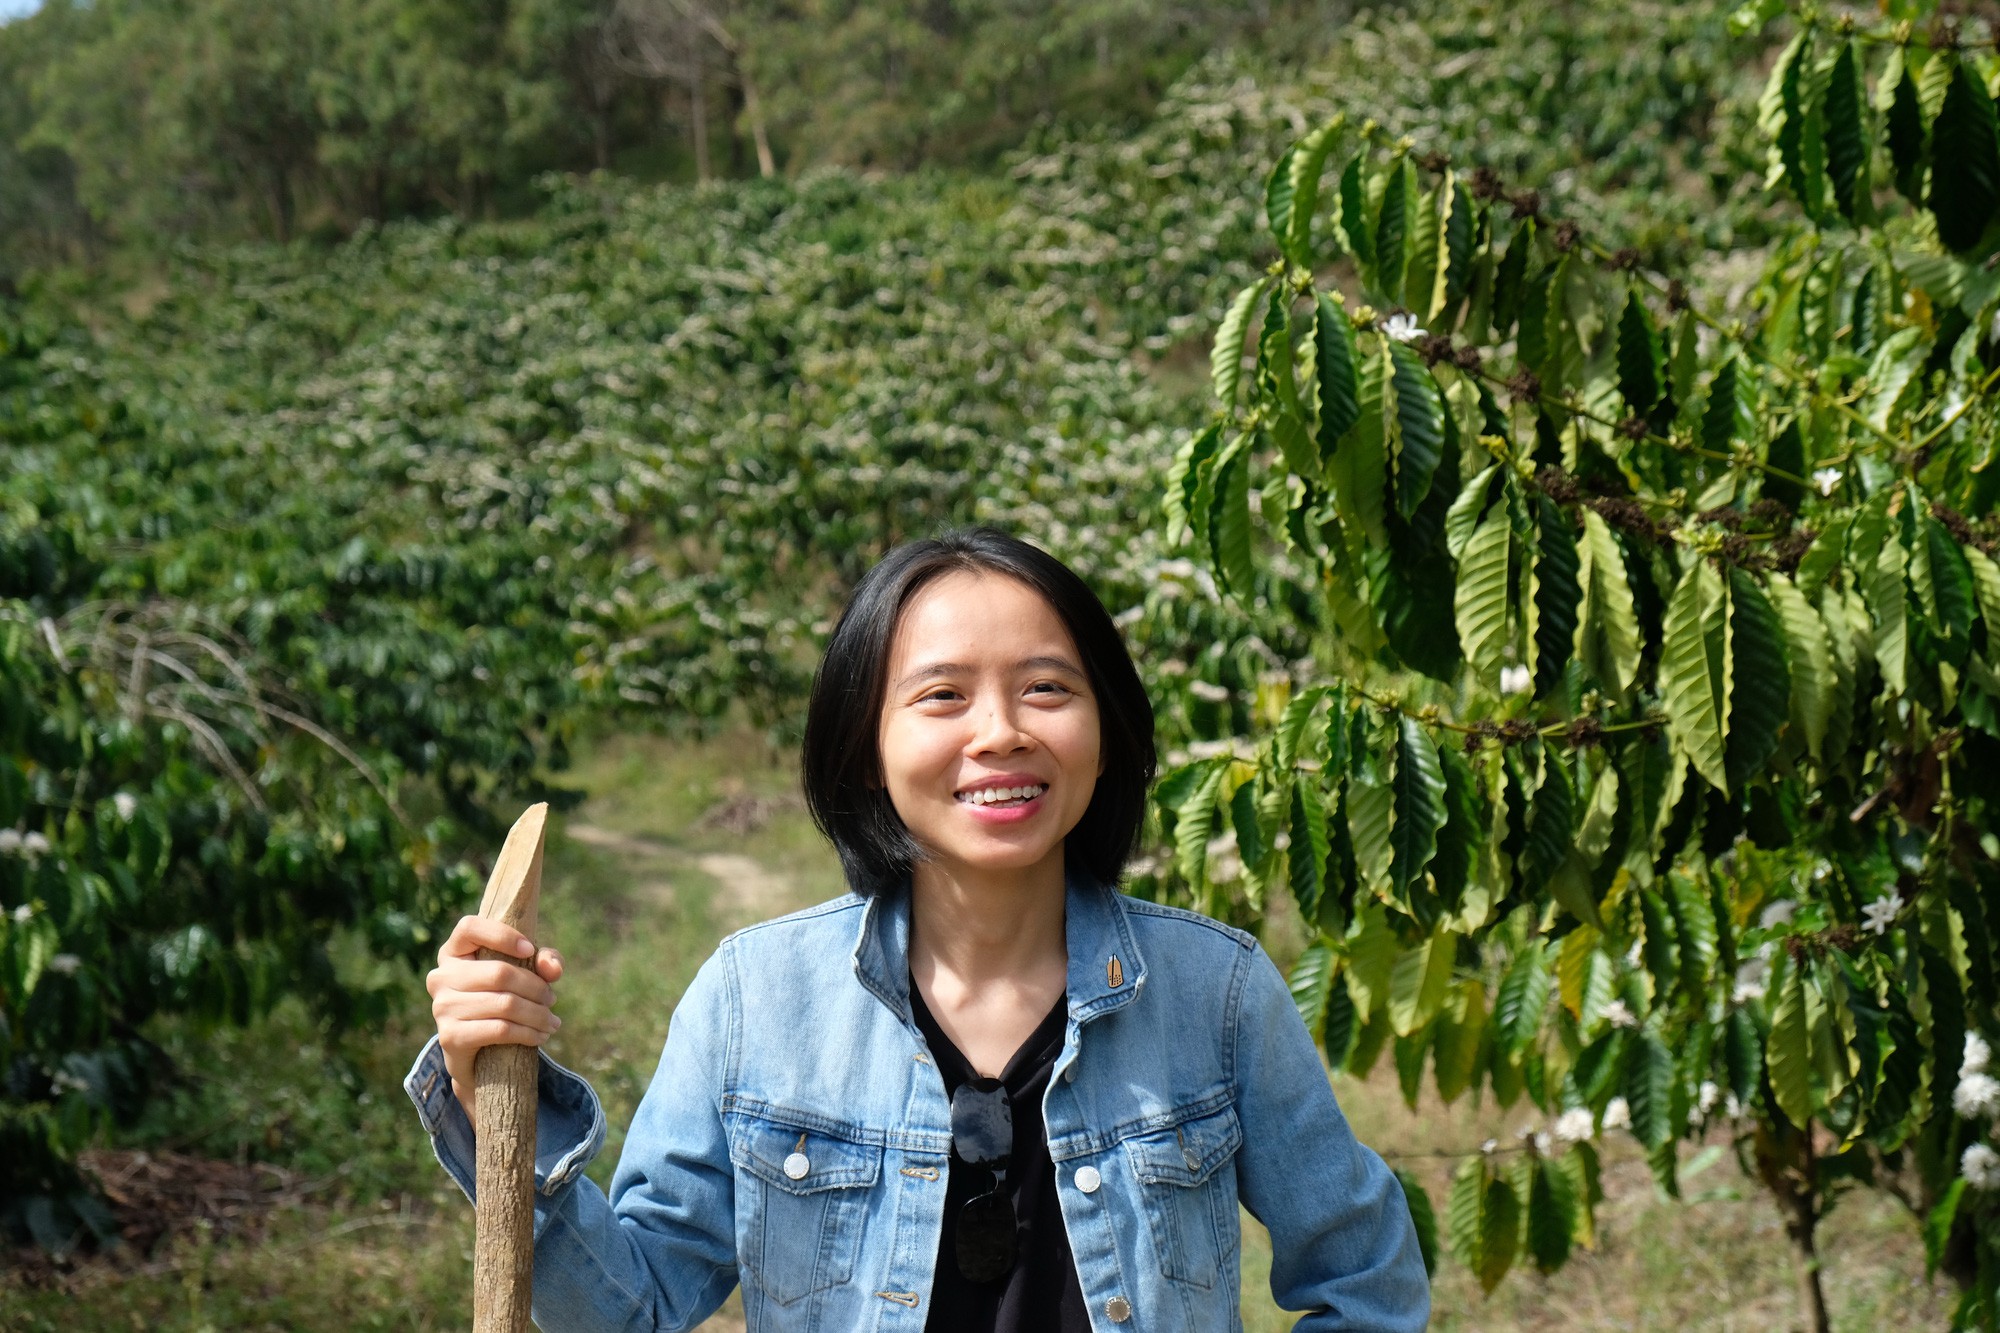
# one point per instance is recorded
(473, 933)
(467, 1007)
(549, 964)
(472, 1035)
(464, 974)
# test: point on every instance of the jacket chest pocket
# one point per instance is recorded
(801, 1198)
(1190, 1194)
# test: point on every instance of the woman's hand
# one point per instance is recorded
(489, 1002)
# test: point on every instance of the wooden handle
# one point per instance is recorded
(503, 1079)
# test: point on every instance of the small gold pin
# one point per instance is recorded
(1114, 972)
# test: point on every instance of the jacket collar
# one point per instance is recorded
(1106, 969)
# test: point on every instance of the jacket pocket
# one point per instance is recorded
(801, 1197)
(1190, 1199)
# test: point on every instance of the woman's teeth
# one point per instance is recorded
(1002, 795)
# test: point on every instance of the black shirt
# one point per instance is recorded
(1041, 1294)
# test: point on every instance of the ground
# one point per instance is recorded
(286, 1184)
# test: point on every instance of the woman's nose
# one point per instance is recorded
(998, 732)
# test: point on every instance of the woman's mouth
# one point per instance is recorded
(1002, 798)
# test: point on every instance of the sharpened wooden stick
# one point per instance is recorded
(503, 1079)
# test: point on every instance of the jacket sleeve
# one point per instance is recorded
(659, 1253)
(1343, 1248)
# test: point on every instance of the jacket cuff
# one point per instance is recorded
(569, 1121)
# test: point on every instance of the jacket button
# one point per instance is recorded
(1119, 1309)
(797, 1165)
(1087, 1179)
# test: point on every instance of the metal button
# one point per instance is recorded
(797, 1165)
(1087, 1179)
(1119, 1309)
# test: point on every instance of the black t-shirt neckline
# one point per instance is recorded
(1041, 1294)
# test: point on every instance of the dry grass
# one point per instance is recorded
(679, 844)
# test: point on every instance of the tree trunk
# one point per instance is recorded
(698, 123)
(1786, 1163)
(753, 111)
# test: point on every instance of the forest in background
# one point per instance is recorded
(140, 123)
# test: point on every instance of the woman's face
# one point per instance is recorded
(989, 733)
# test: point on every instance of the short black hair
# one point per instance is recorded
(840, 762)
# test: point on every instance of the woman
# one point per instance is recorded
(983, 1091)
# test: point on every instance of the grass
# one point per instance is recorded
(641, 881)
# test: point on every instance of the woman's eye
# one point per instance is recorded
(1050, 686)
(939, 696)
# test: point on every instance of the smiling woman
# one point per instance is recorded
(984, 1091)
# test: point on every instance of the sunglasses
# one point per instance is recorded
(982, 1135)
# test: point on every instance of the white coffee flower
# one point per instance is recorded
(1545, 1144)
(34, 844)
(24, 912)
(1490, 1147)
(1619, 1015)
(1403, 328)
(66, 964)
(64, 1081)
(10, 840)
(1732, 1108)
(1752, 980)
(1575, 1126)
(1977, 1097)
(1202, 689)
(1825, 479)
(1977, 1053)
(1708, 1096)
(1777, 913)
(126, 804)
(1879, 915)
(1515, 679)
(1618, 1114)
(1981, 1167)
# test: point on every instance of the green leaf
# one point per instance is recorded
(1964, 196)
(1641, 360)
(1760, 681)
(1229, 521)
(1499, 1233)
(1225, 359)
(1786, 455)
(1359, 470)
(1309, 848)
(1293, 726)
(1278, 193)
(1723, 419)
(1311, 984)
(1455, 249)
(1649, 1088)
(1691, 669)
(1986, 591)
(1351, 216)
(1847, 140)
(1339, 383)
(1551, 830)
(1743, 1054)
(1250, 843)
(1420, 428)
(1464, 826)
(1461, 1029)
(1418, 783)
(1480, 602)
(1552, 1208)
(1184, 480)
(1420, 982)
(1196, 824)
(1558, 594)
(1888, 611)
(1908, 138)
(1938, 1225)
(1809, 661)
(1304, 165)
(1607, 632)
(1423, 1215)
(1392, 230)
(1465, 1211)
(1369, 811)
(1661, 949)
(1952, 601)
(1788, 1051)
(1510, 282)
(1522, 999)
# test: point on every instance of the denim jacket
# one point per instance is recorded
(796, 1138)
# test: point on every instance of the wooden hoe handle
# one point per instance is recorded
(503, 1077)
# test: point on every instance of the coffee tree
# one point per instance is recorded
(1645, 760)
